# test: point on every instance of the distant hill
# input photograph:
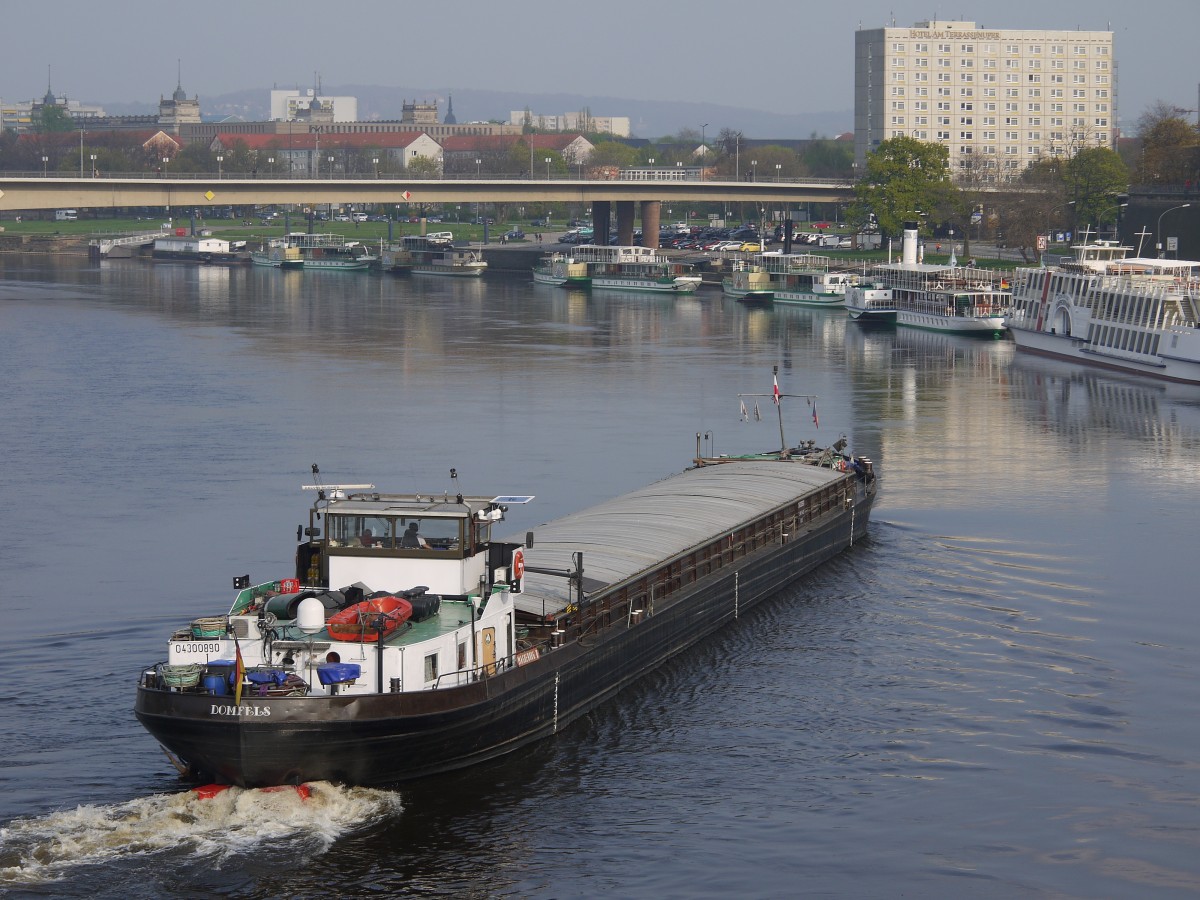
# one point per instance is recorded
(648, 118)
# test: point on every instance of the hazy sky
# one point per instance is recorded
(787, 56)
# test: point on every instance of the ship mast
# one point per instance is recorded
(777, 399)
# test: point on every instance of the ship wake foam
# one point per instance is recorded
(232, 822)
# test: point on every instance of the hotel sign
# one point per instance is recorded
(926, 35)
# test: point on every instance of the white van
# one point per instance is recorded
(65, 215)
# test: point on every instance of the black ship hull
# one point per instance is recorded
(381, 739)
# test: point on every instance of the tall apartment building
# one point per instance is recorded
(998, 99)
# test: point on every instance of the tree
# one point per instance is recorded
(904, 178)
(55, 119)
(829, 159)
(1170, 146)
(1093, 178)
(425, 167)
(613, 153)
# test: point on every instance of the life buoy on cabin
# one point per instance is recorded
(518, 565)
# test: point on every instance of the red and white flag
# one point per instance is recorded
(775, 396)
(816, 424)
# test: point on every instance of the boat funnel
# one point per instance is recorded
(908, 251)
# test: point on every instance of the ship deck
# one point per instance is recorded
(643, 529)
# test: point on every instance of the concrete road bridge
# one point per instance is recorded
(603, 196)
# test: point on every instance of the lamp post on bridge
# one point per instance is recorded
(220, 159)
(93, 158)
(478, 163)
(45, 166)
(754, 170)
(778, 171)
(271, 163)
(375, 162)
(331, 168)
(547, 168)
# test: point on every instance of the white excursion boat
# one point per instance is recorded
(633, 268)
(561, 269)
(807, 279)
(1105, 308)
(411, 641)
(748, 282)
(954, 299)
(433, 254)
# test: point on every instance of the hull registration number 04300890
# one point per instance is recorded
(192, 649)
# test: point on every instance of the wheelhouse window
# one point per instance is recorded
(428, 533)
(413, 533)
(366, 532)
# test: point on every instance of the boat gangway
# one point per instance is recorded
(100, 247)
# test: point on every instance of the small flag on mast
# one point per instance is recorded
(816, 424)
(775, 396)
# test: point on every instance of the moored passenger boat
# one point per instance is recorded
(748, 283)
(278, 254)
(434, 254)
(330, 252)
(509, 640)
(1105, 308)
(633, 268)
(955, 299)
(561, 269)
(807, 279)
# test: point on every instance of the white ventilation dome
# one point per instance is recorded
(310, 615)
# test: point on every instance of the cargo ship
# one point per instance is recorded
(409, 640)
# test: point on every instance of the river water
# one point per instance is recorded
(994, 696)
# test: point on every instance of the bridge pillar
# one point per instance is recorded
(651, 215)
(625, 222)
(601, 221)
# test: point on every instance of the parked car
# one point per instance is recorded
(515, 234)
(341, 217)
(751, 247)
(359, 217)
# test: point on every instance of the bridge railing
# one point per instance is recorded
(168, 175)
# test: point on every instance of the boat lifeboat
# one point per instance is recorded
(364, 621)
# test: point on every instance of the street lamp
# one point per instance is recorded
(1049, 214)
(375, 162)
(93, 158)
(778, 168)
(547, 168)
(478, 163)
(271, 162)
(1158, 229)
(220, 159)
(754, 170)
(45, 166)
(331, 167)
(1117, 208)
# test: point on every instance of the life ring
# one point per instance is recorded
(518, 565)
